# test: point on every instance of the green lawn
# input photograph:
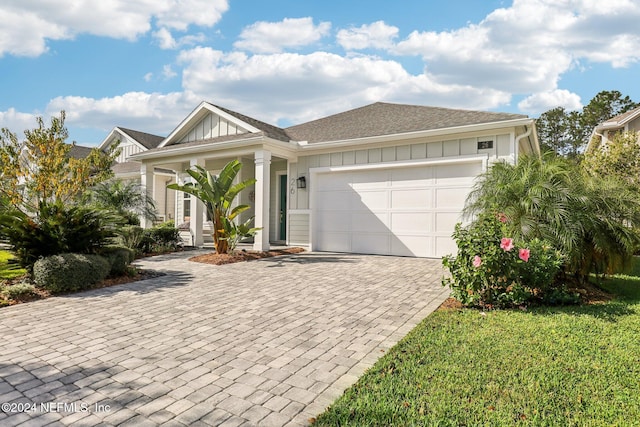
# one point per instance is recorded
(9, 270)
(568, 366)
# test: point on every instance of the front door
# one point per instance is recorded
(282, 205)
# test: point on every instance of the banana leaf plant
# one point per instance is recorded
(217, 192)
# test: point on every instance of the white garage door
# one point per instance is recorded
(408, 211)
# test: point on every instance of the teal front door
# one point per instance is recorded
(282, 228)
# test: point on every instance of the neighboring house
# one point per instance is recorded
(79, 151)
(604, 132)
(134, 142)
(381, 179)
(76, 152)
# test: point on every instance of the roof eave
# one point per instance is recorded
(123, 134)
(217, 146)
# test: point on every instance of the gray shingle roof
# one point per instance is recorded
(269, 130)
(148, 140)
(386, 119)
(79, 151)
(620, 119)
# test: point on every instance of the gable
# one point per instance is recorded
(128, 144)
(212, 126)
(634, 125)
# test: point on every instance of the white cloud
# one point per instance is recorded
(167, 41)
(147, 77)
(377, 35)
(304, 87)
(527, 47)
(274, 37)
(168, 72)
(26, 25)
(148, 112)
(544, 101)
(17, 122)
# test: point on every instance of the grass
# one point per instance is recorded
(9, 270)
(569, 366)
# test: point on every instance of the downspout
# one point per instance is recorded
(590, 145)
(517, 142)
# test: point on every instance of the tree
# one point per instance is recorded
(592, 220)
(620, 158)
(217, 193)
(127, 198)
(556, 131)
(40, 169)
(568, 133)
(603, 106)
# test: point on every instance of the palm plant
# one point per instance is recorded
(593, 221)
(127, 198)
(218, 192)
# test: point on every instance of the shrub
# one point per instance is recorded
(131, 236)
(161, 238)
(593, 220)
(493, 269)
(19, 291)
(236, 232)
(69, 272)
(56, 229)
(119, 258)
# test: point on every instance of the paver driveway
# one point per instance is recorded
(270, 342)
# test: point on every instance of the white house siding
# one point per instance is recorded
(299, 228)
(164, 198)
(299, 204)
(247, 197)
(634, 125)
(127, 148)
(212, 126)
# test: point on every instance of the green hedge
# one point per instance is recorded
(70, 272)
(119, 258)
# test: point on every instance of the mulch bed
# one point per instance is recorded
(589, 294)
(42, 294)
(243, 255)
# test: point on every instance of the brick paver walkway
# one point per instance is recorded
(269, 342)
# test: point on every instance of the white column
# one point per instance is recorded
(263, 175)
(197, 212)
(146, 184)
(176, 199)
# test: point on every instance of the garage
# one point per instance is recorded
(404, 209)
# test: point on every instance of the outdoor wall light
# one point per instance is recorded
(302, 182)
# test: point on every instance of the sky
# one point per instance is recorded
(146, 64)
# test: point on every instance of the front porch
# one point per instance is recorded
(268, 199)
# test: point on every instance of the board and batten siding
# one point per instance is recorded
(299, 210)
(212, 126)
(127, 148)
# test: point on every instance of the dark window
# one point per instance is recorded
(485, 145)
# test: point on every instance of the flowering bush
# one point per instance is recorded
(493, 269)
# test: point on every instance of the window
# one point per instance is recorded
(485, 144)
(186, 206)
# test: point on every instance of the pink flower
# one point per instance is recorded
(477, 261)
(524, 254)
(506, 243)
(502, 217)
